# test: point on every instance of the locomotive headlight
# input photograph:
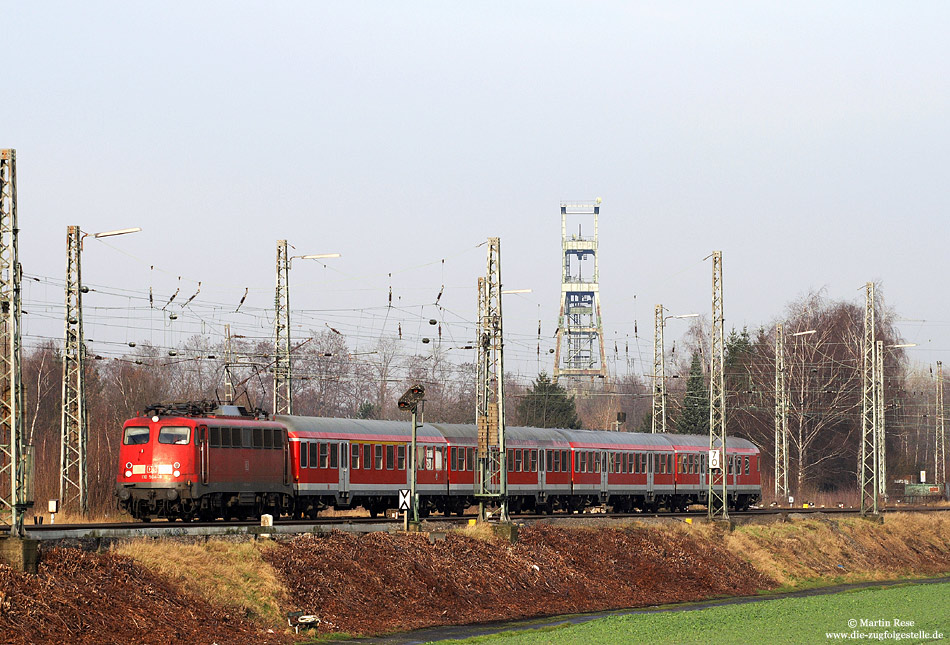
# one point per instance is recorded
(128, 473)
(172, 493)
(128, 465)
(177, 466)
(177, 473)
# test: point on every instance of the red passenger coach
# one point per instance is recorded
(345, 463)
(186, 463)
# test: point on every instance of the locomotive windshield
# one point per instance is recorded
(174, 434)
(135, 436)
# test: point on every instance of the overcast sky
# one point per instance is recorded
(807, 141)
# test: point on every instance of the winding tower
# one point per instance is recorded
(580, 332)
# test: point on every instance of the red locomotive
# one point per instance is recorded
(187, 461)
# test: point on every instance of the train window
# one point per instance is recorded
(519, 454)
(429, 458)
(379, 457)
(258, 437)
(313, 453)
(746, 460)
(511, 460)
(135, 436)
(324, 454)
(624, 462)
(557, 461)
(565, 462)
(549, 461)
(470, 459)
(758, 465)
(174, 434)
(303, 454)
(580, 460)
(458, 461)
(215, 438)
(601, 464)
(246, 439)
(534, 461)
(390, 457)
(730, 466)
(368, 457)
(334, 455)
(354, 456)
(268, 435)
(400, 457)
(440, 458)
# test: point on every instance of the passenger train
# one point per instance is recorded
(186, 462)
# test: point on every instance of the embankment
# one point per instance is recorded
(235, 592)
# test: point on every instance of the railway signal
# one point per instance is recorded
(411, 400)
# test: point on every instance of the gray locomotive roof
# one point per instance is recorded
(361, 426)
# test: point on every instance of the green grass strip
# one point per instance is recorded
(905, 614)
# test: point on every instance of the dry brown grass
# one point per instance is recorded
(478, 531)
(847, 550)
(231, 574)
(72, 517)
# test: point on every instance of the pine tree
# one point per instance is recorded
(694, 417)
(547, 405)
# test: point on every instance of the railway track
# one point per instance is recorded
(124, 530)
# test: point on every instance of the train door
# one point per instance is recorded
(542, 468)
(650, 474)
(344, 448)
(604, 457)
(204, 455)
(438, 463)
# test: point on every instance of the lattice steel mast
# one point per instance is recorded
(228, 379)
(659, 372)
(940, 443)
(283, 385)
(718, 500)
(15, 455)
(879, 420)
(491, 484)
(781, 418)
(579, 325)
(868, 465)
(74, 429)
